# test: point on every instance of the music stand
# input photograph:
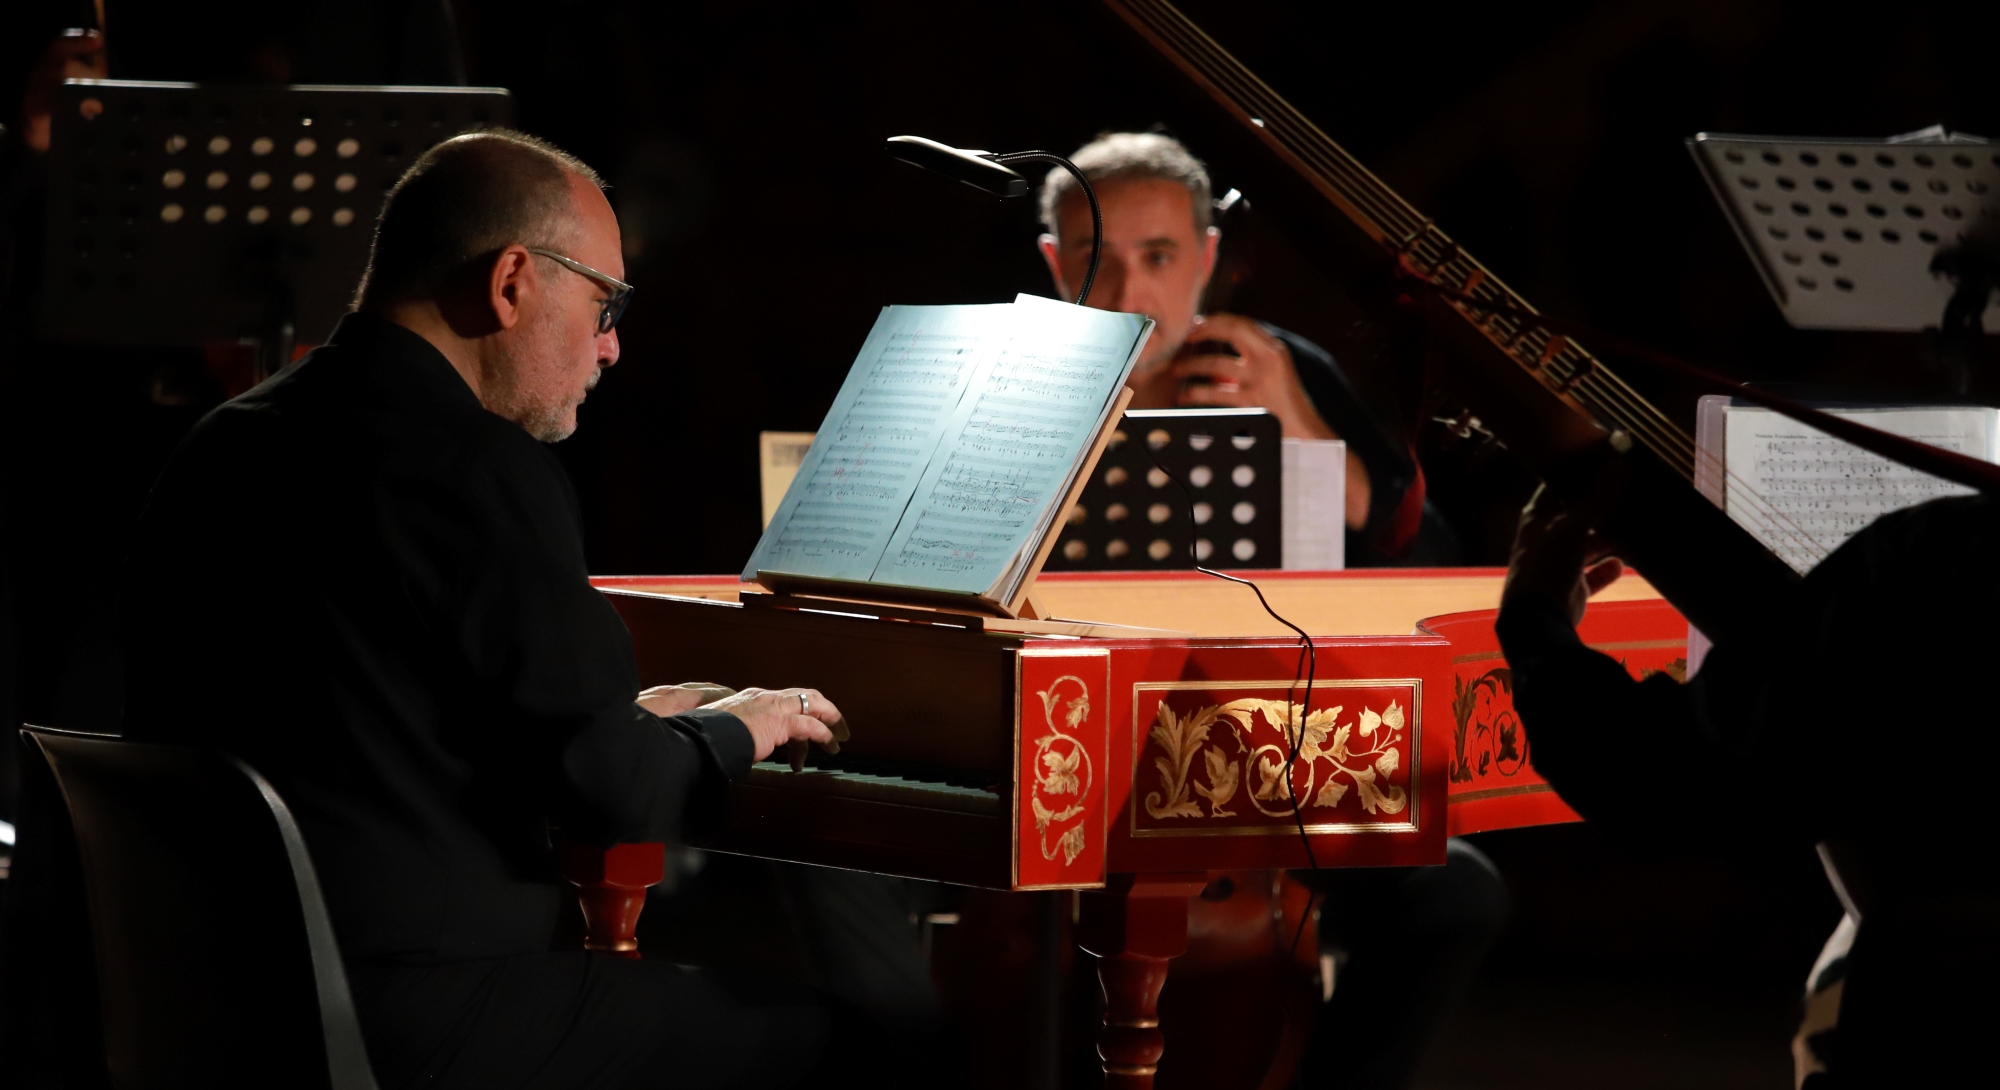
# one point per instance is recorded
(1843, 232)
(186, 214)
(1131, 517)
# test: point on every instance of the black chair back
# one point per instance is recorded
(217, 963)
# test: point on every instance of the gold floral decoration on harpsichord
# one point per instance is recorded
(1360, 755)
(1064, 771)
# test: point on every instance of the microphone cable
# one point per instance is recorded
(1306, 669)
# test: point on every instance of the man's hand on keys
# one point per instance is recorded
(776, 717)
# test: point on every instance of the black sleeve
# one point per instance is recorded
(1715, 763)
(1391, 471)
(558, 665)
(1600, 738)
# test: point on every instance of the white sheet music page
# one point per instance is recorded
(1012, 449)
(1802, 492)
(956, 435)
(865, 463)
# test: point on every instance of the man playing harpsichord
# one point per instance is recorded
(365, 578)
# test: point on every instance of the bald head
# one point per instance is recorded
(466, 199)
(462, 259)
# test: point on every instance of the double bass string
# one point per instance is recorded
(1277, 115)
(1749, 503)
(1744, 501)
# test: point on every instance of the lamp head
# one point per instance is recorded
(970, 167)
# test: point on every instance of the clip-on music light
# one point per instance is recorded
(989, 172)
(185, 214)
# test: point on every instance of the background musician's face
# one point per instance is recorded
(1154, 262)
(556, 354)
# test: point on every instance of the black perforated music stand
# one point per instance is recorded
(1843, 232)
(1132, 518)
(184, 214)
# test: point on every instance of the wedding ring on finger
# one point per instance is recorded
(805, 708)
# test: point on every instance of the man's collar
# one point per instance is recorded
(403, 349)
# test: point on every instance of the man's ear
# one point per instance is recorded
(1209, 247)
(510, 283)
(1052, 254)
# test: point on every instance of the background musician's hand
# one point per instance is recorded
(775, 719)
(1557, 555)
(1259, 376)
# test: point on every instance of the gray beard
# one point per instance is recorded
(548, 424)
(548, 419)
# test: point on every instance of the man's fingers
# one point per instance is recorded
(1208, 370)
(815, 704)
(805, 728)
(1226, 395)
(1234, 328)
(1602, 574)
(1206, 363)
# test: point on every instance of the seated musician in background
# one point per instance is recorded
(1859, 725)
(1159, 252)
(1409, 940)
(421, 666)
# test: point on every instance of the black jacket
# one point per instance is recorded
(373, 590)
(1392, 467)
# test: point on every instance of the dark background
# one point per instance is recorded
(765, 228)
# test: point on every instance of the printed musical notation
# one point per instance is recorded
(1010, 455)
(1803, 492)
(865, 463)
(951, 444)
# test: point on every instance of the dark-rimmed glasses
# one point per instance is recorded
(621, 292)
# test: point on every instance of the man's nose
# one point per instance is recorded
(1122, 290)
(1108, 292)
(607, 349)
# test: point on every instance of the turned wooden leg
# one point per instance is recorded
(1134, 926)
(611, 886)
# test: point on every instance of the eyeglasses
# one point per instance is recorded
(621, 292)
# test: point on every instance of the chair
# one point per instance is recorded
(217, 963)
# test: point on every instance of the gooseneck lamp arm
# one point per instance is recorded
(991, 173)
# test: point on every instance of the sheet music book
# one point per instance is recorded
(1803, 492)
(951, 451)
(779, 454)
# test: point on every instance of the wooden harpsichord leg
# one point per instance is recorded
(611, 887)
(1135, 926)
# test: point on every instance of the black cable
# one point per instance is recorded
(1089, 194)
(1308, 659)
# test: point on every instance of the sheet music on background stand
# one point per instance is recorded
(1845, 234)
(188, 214)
